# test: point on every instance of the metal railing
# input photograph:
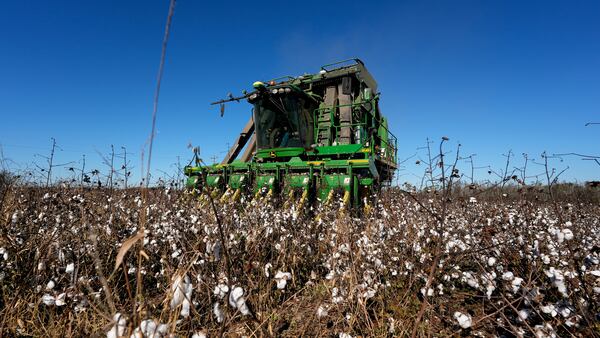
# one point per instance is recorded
(387, 148)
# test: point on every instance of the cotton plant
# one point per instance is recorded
(238, 301)
(221, 290)
(119, 327)
(51, 300)
(150, 328)
(281, 278)
(181, 294)
(464, 320)
(353, 259)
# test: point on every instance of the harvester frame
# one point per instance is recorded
(308, 138)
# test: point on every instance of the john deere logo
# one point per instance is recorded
(272, 154)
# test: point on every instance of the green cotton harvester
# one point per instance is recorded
(315, 137)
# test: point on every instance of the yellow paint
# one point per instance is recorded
(314, 162)
(302, 199)
(346, 198)
(358, 161)
(225, 195)
(367, 208)
(236, 195)
(366, 150)
(329, 196)
(289, 199)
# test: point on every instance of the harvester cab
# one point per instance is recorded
(312, 137)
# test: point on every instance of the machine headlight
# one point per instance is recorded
(281, 90)
(274, 91)
(288, 90)
(253, 97)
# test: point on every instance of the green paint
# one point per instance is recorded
(309, 162)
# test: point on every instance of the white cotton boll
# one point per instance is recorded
(549, 309)
(281, 278)
(428, 292)
(330, 275)
(60, 300)
(70, 268)
(321, 311)
(177, 294)
(48, 299)
(392, 325)
(221, 290)
(595, 273)
(236, 293)
(336, 297)
(516, 284)
(218, 312)
(597, 289)
(237, 300)
(567, 234)
(560, 237)
(181, 292)
(468, 277)
(150, 329)
(572, 321)
(472, 200)
(370, 293)
(524, 313)
(118, 329)
(268, 266)
(344, 335)
(161, 330)
(200, 334)
(491, 261)
(185, 309)
(4, 253)
(562, 288)
(50, 285)
(378, 263)
(489, 290)
(544, 331)
(565, 311)
(464, 320)
(545, 259)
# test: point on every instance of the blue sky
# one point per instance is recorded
(492, 75)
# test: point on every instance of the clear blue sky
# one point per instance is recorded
(494, 75)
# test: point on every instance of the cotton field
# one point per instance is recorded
(122, 263)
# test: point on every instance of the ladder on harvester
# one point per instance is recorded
(326, 113)
(336, 99)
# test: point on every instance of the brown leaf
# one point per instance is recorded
(126, 246)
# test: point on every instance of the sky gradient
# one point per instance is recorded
(492, 75)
